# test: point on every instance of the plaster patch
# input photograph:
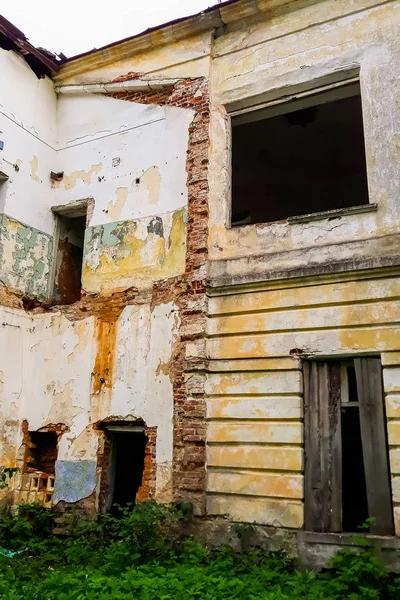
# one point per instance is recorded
(115, 207)
(70, 181)
(152, 181)
(75, 480)
(34, 167)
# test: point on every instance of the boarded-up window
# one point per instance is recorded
(346, 454)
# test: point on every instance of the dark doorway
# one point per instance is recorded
(127, 465)
(68, 271)
(347, 477)
(354, 492)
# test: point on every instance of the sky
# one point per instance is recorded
(76, 26)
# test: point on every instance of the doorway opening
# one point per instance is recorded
(354, 490)
(127, 450)
(70, 238)
(347, 477)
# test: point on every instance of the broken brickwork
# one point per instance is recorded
(188, 291)
(148, 487)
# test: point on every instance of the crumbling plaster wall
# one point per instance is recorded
(117, 353)
(256, 340)
(258, 329)
(292, 49)
(110, 150)
(49, 377)
(28, 131)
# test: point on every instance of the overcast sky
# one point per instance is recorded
(76, 26)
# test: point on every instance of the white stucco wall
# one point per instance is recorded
(28, 108)
(46, 378)
(106, 144)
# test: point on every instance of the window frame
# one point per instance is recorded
(349, 85)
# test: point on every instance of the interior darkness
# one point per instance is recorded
(43, 451)
(128, 450)
(354, 500)
(302, 162)
(68, 283)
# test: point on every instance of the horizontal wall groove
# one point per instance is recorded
(244, 470)
(294, 394)
(290, 307)
(252, 371)
(255, 420)
(299, 330)
(277, 499)
(271, 445)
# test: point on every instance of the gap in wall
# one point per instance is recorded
(69, 258)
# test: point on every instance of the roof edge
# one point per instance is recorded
(41, 63)
(207, 20)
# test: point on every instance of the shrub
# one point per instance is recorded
(128, 556)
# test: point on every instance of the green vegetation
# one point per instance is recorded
(133, 557)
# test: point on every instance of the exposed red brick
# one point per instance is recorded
(189, 410)
(148, 487)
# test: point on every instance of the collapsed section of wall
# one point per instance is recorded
(117, 356)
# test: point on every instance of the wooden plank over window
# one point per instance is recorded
(373, 433)
(323, 456)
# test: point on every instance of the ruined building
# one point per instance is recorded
(200, 267)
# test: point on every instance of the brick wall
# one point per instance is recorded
(188, 292)
(147, 489)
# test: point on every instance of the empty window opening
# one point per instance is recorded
(41, 455)
(69, 257)
(346, 450)
(126, 465)
(299, 157)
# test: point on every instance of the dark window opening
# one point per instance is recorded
(347, 478)
(69, 258)
(300, 157)
(126, 467)
(42, 453)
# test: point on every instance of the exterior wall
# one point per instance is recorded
(28, 130)
(287, 52)
(118, 354)
(112, 153)
(146, 342)
(254, 387)
(282, 291)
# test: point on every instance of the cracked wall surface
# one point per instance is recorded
(186, 324)
(110, 356)
(302, 48)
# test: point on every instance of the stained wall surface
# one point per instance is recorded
(282, 291)
(112, 354)
(303, 46)
(218, 374)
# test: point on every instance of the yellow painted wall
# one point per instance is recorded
(254, 387)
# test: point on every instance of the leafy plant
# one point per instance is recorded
(131, 556)
(6, 474)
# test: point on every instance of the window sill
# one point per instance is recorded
(333, 214)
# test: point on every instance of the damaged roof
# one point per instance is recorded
(43, 62)
(202, 14)
(40, 61)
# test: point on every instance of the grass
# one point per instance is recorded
(130, 557)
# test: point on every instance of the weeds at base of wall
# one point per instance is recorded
(133, 556)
